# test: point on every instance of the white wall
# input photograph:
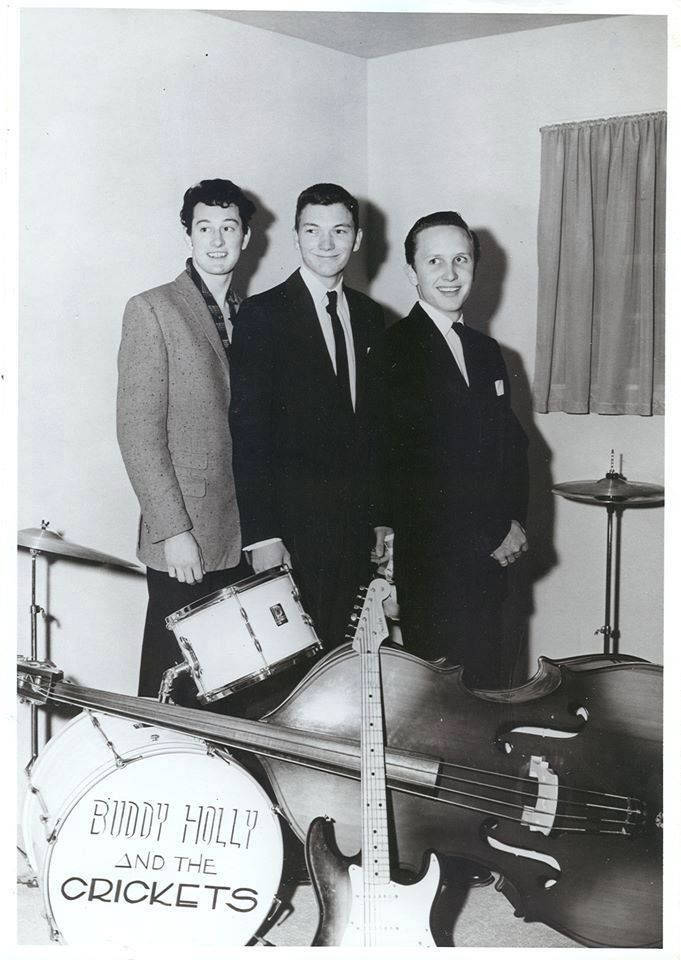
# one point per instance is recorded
(457, 127)
(121, 112)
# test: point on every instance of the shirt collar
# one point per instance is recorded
(441, 320)
(317, 289)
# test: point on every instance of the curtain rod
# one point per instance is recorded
(600, 122)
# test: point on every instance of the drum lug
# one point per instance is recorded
(120, 762)
(214, 751)
(193, 661)
(262, 941)
(280, 813)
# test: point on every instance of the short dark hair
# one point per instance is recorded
(325, 194)
(216, 193)
(443, 218)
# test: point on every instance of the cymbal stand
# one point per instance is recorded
(611, 633)
(35, 610)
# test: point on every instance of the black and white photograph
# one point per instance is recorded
(335, 393)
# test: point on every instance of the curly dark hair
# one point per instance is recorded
(216, 193)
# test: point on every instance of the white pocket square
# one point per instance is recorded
(499, 387)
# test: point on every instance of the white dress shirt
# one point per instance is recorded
(319, 294)
(444, 325)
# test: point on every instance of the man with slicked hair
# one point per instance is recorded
(300, 415)
(172, 410)
(455, 461)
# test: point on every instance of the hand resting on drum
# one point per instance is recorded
(183, 556)
(264, 556)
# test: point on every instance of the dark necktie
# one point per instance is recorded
(342, 375)
(462, 333)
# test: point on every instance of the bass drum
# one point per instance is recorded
(141, 835)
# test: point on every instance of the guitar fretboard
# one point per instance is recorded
(371, 631)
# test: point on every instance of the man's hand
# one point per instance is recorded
(183, 557)
(512, 546)
(269, 555)
(379, 554)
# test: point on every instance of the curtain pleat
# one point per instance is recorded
(600, 323)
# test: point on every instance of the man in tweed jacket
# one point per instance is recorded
(172, 426)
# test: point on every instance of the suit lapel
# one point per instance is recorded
(361, 344)
(306, 328)
(438, 356)
(199, 314)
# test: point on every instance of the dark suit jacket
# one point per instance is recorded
(300, 455)
(454, 457)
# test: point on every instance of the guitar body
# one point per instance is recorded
(338, 885)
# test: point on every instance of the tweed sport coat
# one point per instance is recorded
(172, 426)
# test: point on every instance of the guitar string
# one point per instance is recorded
(397, 785)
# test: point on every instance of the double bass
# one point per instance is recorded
(555, 785)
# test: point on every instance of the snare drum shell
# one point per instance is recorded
(241, 634)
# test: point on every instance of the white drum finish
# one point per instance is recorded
(177, 846)
(237, 636)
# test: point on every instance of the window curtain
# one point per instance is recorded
(601, 235)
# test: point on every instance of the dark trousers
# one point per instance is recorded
(454, 610)
(160, 649)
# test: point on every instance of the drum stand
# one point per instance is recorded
(614, 492)
(35, 610)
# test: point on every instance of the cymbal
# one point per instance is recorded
(612, 488)
(46, 541)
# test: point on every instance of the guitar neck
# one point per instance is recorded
(375, 848)
(370, 633)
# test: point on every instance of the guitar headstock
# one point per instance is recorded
(36, 679)
(370, 623)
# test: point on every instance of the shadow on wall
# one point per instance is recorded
(362, 271)
(480, 311)
(262, 220)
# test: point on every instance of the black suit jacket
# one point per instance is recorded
(300, 454)
(454, 456)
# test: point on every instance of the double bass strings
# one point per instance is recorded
(633, 810)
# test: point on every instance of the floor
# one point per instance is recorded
(482, 917)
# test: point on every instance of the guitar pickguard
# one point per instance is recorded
(402, 911)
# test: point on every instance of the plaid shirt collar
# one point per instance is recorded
(216, 313)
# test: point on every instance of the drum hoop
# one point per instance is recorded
(219, 595)
(229, 688)
(104, 769)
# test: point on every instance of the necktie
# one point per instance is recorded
(342, 375)
(461, 332)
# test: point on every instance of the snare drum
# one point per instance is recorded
(242, 634)
(141, 835)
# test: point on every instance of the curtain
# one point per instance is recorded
(601, 235)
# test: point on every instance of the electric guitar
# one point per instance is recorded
(360, 906)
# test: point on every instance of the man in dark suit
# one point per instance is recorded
(455, 461)
(173, 399)
(299, 416)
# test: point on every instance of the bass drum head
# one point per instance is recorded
(173, 848)
(77, 757)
